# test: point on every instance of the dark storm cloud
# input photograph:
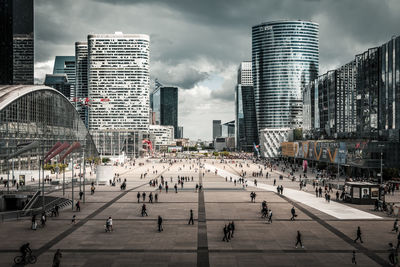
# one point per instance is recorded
(192, 40)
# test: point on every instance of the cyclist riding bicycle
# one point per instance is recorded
(25, 249)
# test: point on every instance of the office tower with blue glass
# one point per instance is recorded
(164, 103)
(285, 56)
(66, 65)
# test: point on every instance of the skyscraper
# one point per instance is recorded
(66, 65)
(16, 42)
(246, 123)
(165, 105)
(285, 55)
(81, 79)
(118, 81)
(217, 128)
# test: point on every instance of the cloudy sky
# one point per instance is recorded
(197, 45)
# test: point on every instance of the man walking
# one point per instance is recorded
(298, 240)
(160, 228)
(270, 216)
(294, 215)
(396, 225)
(144, 210)
(359, 235)
(138, 197)
(225, 230)
(191, 217)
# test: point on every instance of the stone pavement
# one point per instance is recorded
(135, 240)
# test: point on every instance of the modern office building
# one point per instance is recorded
(66, 65)
(38, 113)
(163, 136)
(180, 132)
(285, 55)
(16, 42)
(120, 143)
(217, 129)
(228, 129)
(356, 108)
(59, 82)
(357, 100)
(118, 81)
(164, 103)
(246, 123)
(81, 80)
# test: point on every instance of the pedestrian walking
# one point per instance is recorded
(80, 195)
(144, 210)
(159, 221)
(191, 217)
(298, 240)
(398, 241)
(392, 255)
(57, 258)
(396, 225)
(138, 197)
(156, 197)
(73, 221)
(144, 196)
(353, 258)
(78, 206)
(294, 215)
(270, 216)
(225, 230)
(232, 228)
(43, 219)
(358, 235)
(34, 224)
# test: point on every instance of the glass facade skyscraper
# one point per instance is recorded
(285, 55)
(164, 104)
(246, 123)
(66, 65)
(16, 42)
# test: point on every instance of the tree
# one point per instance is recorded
(105, 160)
(298, 134)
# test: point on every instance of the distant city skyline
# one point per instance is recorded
(204, 66)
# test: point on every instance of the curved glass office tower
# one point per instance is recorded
(285, 55)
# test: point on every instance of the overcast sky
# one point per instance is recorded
(197, 45)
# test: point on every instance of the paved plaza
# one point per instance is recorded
(328, 230)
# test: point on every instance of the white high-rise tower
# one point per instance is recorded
(118, 81)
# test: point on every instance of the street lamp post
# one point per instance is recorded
(381, 165)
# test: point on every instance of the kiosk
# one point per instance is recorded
(361, 192)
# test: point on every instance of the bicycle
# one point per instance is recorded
(29, 258)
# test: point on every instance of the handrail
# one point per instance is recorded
(31, 201)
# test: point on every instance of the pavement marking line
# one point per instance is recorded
(333, 208)
(370, 254)
(81, 222)
(202, 241)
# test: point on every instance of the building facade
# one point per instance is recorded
(118, 81)
(358, 100)
(81, 80)
(37, 113)
(162, 135)
(246, 122)
(285, 55)
(59, 82)
(66, 65)
(164, 103)
(16, 42)
(217, 129)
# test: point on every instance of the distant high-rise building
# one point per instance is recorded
(246, 123)
(228, 129)
(118, 81)
(59, 82)
(165, 104)
(217, 129)
(16, 42)
(81, 80)
(66, 65)
(180, 132)
(285, 55)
